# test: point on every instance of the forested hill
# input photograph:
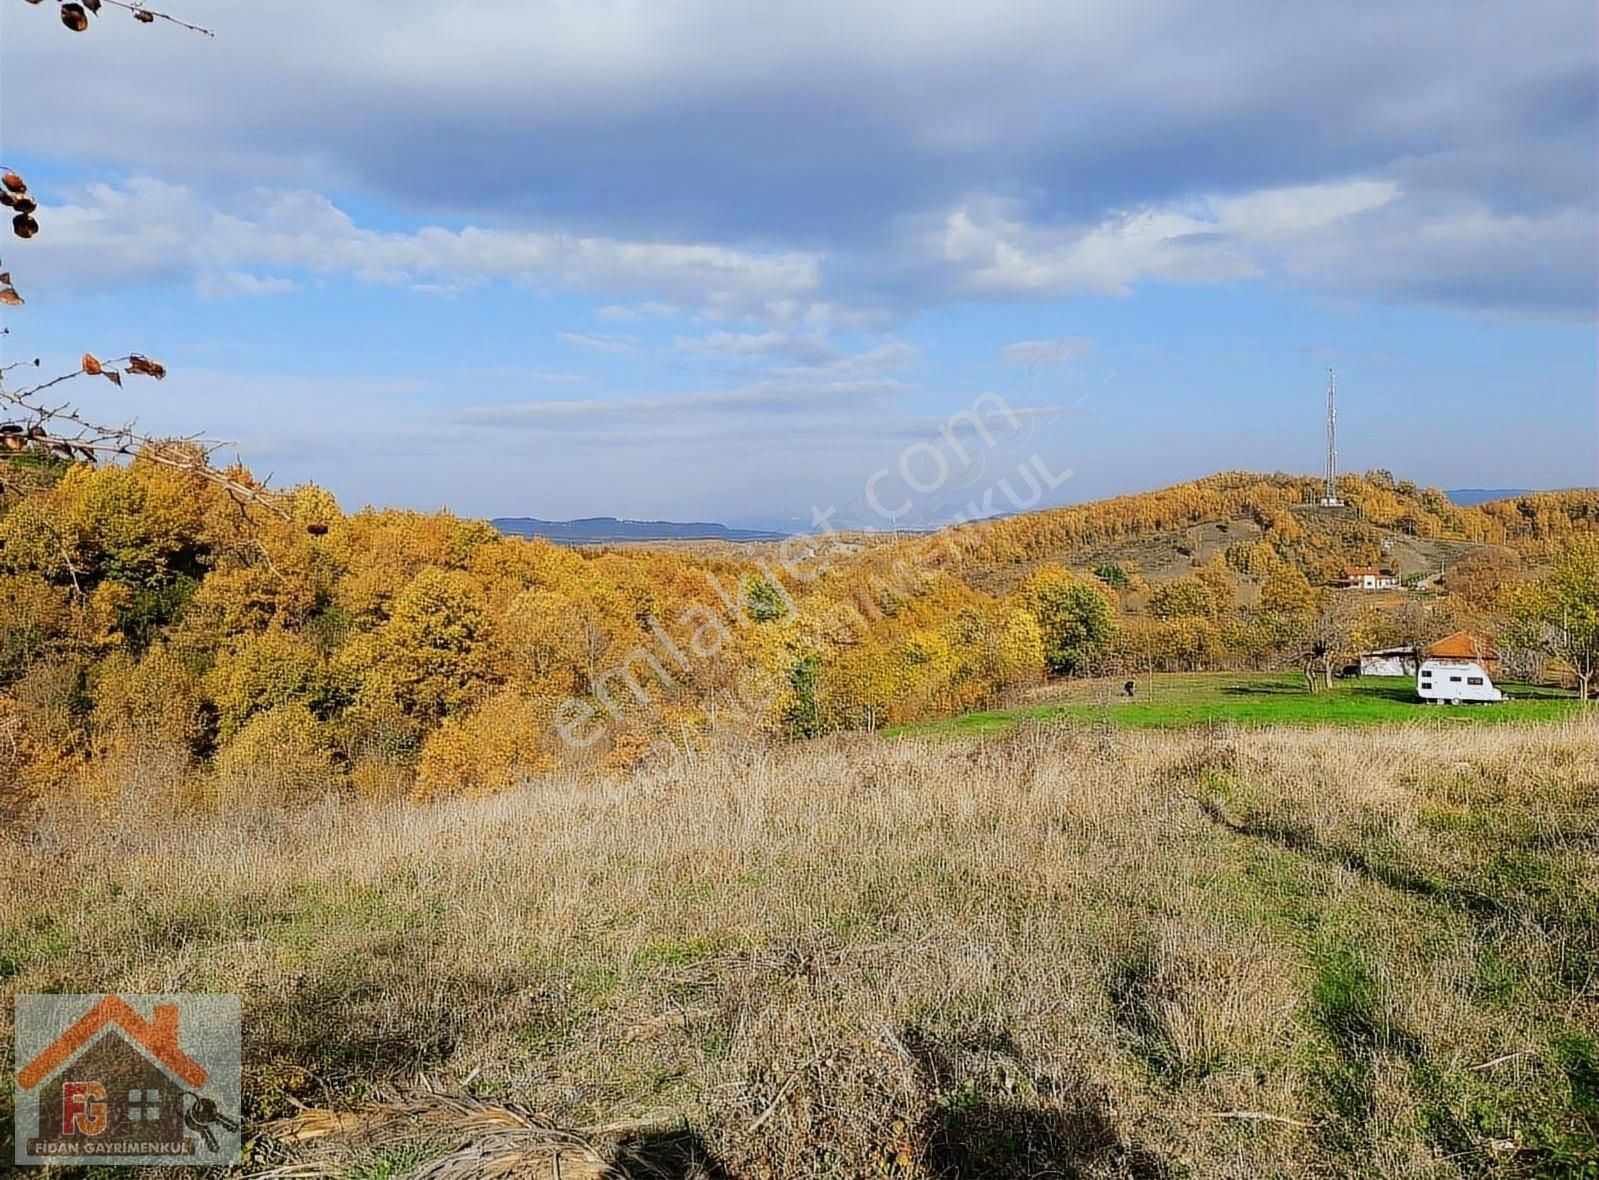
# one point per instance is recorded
(1281, 509)
(151, 625)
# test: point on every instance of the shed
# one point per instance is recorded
(1389, 661)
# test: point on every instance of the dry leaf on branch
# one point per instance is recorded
(147, 367)
(114, 377)
(24, 226)
(140, 14)
(91, 364)
(9, 296)
(14, 183)
(73, 16)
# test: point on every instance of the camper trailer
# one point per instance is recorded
(1455, 682)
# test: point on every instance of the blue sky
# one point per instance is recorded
(724, 261)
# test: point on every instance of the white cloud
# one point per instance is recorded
(658, 141)
(1283, 214)
(623, 313)
(1043, 352)
(988, 248)
(593, 343)
(149, 230)
(1353, 237)
(688, 411)
(228, 284)
(810, 349)
(1356, 237)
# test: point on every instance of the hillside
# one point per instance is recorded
(1165, 533)
(146, 620)
(1057, 954)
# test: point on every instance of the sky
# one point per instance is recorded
(728, 260)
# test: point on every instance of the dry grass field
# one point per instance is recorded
(1067, 951)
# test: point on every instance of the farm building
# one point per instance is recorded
(1465, 645)
(1369, 577)
(1455, 682)
(1389, 661)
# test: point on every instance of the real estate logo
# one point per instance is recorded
(127, 1079)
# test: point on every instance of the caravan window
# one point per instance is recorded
(1454, 680)
(1474, 680)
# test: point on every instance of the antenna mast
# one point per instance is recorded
(1329, 494)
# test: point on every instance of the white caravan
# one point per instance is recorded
(1455, 682)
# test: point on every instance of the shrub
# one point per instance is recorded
(764, 601)
(264, 671)
(32, 614)
(1112, 575)
(280, 757)
(1020, 650)
(1185, 598)
(156, 700)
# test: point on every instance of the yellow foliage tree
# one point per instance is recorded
(488, 749)
(154, 700)
(433, 647)
(1287, 591)
(263, 672)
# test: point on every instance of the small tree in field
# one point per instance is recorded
(1075, 619)
(1559, 614)
(1329, 639)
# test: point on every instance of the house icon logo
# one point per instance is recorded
(127, 1079)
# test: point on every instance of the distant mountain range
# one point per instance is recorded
(598, 530)
(1467, 497)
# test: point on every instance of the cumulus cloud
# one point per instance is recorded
(656, 143)
(147, 230)
(988, 245)
(1357, 237)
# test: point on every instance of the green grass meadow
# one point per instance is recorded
(1168, 700)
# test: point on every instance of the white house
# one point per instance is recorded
(1455, 682)
(1370, 578)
